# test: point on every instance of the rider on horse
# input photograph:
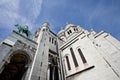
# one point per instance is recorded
(23, 29)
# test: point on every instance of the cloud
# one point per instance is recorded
(106, 13)
(23, 12)
(8, 11)
(30, 8)
(12, 12)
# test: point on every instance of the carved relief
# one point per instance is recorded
(23, 46)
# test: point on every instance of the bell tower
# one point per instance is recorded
(46, 61)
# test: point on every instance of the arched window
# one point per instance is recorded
(69, 32)
(52, 40)
(82, 56)
(53, 68)
(68, 63)
(49, 39)
(74, 58)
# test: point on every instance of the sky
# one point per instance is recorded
(89, 14)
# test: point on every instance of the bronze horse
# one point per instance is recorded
(23, 29)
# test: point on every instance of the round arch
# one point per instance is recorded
(17, 66)
(21, 53)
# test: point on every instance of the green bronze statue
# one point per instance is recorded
(23, 29)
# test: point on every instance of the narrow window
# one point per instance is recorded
(42, 53)
(55, 42)
(74, 29)
(41, 64)
(43, 29)
(82, 56)
(50, 39)
(70, 31)
(74, 58)
(68, 63)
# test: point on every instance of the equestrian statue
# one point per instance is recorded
(23, 29)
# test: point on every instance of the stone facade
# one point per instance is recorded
(17, 53)
(73, 54)
(89, 55)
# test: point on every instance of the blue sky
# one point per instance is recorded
(96, 14)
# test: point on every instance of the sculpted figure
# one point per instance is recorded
(23, 29)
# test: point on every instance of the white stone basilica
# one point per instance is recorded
(73, 54)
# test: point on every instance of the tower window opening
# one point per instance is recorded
(41, 64)
(55, 42)
(49, 39)
(70, 31)
(43, 53)
(74, 29)
(52, 40)
(43, 29)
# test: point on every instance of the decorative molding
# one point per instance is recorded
(7, 44)
(81, 71)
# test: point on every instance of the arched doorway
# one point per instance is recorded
(16, 68)
(53, 68)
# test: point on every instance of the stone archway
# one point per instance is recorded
(53, 73)
(16, 68)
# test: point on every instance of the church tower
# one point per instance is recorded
(46, 61)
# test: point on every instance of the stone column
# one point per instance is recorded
(48, 74)
(53, 74)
